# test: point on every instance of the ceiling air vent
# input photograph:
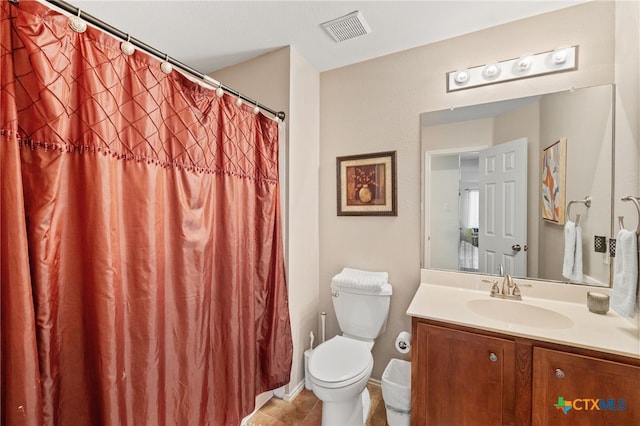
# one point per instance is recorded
(347, 27)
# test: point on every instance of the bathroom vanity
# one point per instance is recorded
(477, 360)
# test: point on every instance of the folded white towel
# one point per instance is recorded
(365, 280)
(625, 273)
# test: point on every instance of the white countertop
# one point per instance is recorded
(447, 300)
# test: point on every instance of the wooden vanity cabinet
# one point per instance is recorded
(594, 391)
(465, 376)
(462, 378)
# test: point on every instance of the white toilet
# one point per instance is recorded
(341, 367)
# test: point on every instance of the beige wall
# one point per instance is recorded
(627, 125)
(375, 106)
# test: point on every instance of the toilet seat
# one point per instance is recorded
(340, 361)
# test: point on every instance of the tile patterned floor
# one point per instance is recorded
(306, 410)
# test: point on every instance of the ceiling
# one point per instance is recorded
(210, 35)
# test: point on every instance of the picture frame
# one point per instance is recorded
(366, 184)
(554, 169)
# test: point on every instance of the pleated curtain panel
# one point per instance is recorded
(141, 246)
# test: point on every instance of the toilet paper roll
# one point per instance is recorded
(403, 342)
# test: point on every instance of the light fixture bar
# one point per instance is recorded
(558, 60)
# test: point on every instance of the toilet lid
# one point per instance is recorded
(340, 359)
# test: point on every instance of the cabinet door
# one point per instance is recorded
(462, 378)
(572, 390)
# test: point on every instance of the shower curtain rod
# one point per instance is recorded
(154, 52)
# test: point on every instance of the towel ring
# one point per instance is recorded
(586, 202)
(636, 202)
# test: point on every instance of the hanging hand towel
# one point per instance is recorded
(625, 273)
(577, 259)
(365, 280)
(569, 249)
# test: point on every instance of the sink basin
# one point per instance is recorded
(520, 313)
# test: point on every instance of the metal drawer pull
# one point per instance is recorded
(559, 373)
(493, 357)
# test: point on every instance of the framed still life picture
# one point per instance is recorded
(366, 184)
(554, 161)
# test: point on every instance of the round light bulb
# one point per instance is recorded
(559, 56)
(461, 77)
(524, 63)
(491, 71)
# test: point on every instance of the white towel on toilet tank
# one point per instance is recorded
(365, 280)
(572, 264)
(625, 273)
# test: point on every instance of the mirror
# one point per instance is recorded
(484, 191)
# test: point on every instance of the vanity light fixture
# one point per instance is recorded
(528, 65)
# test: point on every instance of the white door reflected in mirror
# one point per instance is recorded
(503, 208)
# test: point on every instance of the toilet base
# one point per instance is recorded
(353, 412)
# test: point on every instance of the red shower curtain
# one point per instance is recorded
(141, 250)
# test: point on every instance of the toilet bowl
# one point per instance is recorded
(340, 369)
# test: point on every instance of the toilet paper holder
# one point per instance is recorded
(403, 342)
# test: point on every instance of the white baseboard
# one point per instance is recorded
(375, 382)
(295, 392)
(261, 399)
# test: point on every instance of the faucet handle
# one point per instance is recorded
(516, 289)
(494, 287)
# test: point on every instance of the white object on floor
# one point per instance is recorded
(396, 392)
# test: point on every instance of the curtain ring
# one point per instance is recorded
(166, 66)
(219, 90)
(77, 24)
(256, 109)
(127, 47)
(239, 100)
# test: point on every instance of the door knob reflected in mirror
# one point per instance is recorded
(516, 247)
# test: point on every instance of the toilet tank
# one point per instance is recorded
(361, 313)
